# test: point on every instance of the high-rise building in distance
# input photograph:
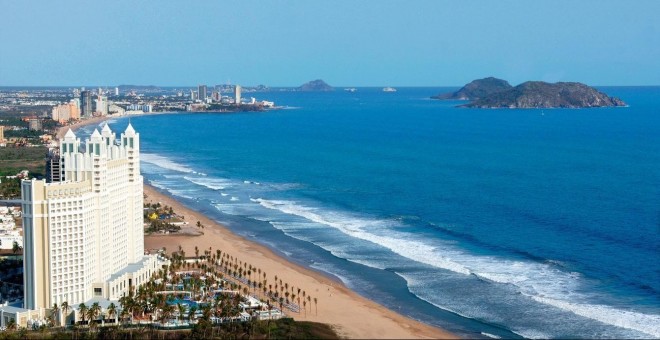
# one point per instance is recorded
(237, 94)
(64, 112)
(102, 105)
(201, 92)
(86, 104)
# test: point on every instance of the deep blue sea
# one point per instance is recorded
(488, 223)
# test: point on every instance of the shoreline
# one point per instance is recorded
(367, 318)
(61, 131)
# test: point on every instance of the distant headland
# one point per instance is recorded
(317, 85)
(497, 93)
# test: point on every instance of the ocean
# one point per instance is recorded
(487, 223)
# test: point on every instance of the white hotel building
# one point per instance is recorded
(84, 234)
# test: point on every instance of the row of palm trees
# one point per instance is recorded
(86, 313)
(247, 276)
(213, 269)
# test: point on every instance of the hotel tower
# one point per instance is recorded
(83, 235)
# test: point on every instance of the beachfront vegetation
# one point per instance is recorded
(161, 219)
(209, 295)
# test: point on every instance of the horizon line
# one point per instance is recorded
(284, 86)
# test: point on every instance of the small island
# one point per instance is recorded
(497, 93)
(476, 89)
(317, 85)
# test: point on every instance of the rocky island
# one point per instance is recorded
(497, 93)
(476, 89)
(315, 86)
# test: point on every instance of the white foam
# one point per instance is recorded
(211, 183)
(542, 281)
(341, 278)
(234, 199)
(181, 194)
(158, 185)
(164, 162)
(645, 323)
(284, 186)
(355, 227)
(532, 334)
(492, 336)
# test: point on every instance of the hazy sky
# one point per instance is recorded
(345, 43)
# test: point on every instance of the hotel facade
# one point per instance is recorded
(83, 234)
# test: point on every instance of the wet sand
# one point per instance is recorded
(352, 315)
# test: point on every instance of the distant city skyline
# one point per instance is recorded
(345, 43)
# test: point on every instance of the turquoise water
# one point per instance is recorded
(184, 302)
(532, 223)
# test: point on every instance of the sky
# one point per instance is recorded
(344, 42)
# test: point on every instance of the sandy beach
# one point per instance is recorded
(366, 318)
(352, 315)
(95, 120)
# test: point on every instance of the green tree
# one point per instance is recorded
(112, 310)
(82, 308)
(191, 312)
(65, 308)
(166, 313)
(182, 310)
(53, 315)
(16, 248)
(92, 313)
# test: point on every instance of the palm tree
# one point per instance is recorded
(16, 248)
(166, 313)
(112, 310)
(53, 314)
(123, 314)
(191, 312)
(182, 310)
(130, 303)
(83, 311)
(65, 309)
(93, 312)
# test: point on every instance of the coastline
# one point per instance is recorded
(61, 131)
(95, 120)
(366, 319)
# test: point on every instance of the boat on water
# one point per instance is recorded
(350, 89)
(389, 89)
